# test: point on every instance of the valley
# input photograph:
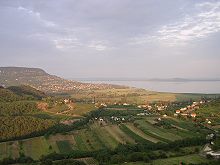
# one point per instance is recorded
(109, 125)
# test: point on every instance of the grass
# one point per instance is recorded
(156, 132)
(52, 141)
(64, 146)
(133, 135)
(86, 140)
(36, 147)
(3, 150)
(194, 159)
(194, 96)
(141, 134)
(72, 109)
(104, 136)
(89, 161)
(81, 109)
(129, 95)
(185, 128)
(119, 135)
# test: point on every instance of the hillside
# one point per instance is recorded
(39, 79)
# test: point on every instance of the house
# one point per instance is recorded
(66, 101)
(210, 136)
(207, 148)
(216, 155)
(177, 111)
(183, 109)
(193, 115)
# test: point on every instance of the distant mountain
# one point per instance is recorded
(39, 79)
(149, 79)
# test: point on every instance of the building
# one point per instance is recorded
(177, 111)
(193, 115)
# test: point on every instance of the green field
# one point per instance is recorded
(119, 135)
(156, 132)
(86, 140)
(9, 149)
(64, 146)
(97, 136)
(104, 136)
(141, 133)
(36, 147)
(194, 159)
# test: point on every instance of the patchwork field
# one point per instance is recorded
(87, 140)
(119, 135)
(98, 136)
(71, 109)
(142, 134)
(156, 132)
(9, 149)
(36, 147)
(104, 136)
(193, 159)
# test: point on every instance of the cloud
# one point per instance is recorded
(203, 23)
(66, 43)
(98, 45)
(36, 15)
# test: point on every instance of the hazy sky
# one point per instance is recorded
(112, 38)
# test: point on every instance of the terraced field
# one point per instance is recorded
(97, 136)
(193, 159)
(141, 133)
(86, 140)
(119, 135)
(35, 147)
(52, 140)
(156, 132)
(9, 149)
(64, 146)
(104, 136)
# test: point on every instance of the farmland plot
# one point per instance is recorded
(157, 132)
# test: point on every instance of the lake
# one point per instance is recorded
(163, 86)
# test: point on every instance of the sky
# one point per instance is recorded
(112, 38)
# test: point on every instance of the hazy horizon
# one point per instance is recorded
(137, 39)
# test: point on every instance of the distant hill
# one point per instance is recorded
(25, 90)
(39, 79)
(18, 93)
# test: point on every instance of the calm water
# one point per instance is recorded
(179, 87)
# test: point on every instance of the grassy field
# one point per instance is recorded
(86, 140)
(185, 128)
(99, 136)
(64, 146)
(104, 136)
(142, 134)
(134, 95)
(9, 149)
(194, 159)
(119, 135)
(133, 135)
(36, 147)
(156, 132)
(130, 95)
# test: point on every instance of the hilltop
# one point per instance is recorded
(39, 79)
